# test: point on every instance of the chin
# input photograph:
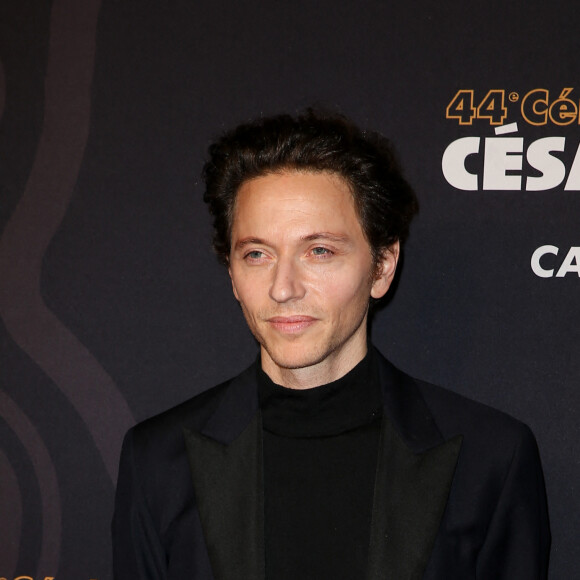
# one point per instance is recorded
(295, 360)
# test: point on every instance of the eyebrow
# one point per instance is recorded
(325, 236)
(248, 241)
(337, 238)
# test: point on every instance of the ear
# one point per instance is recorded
(233, 284)
(386, 271)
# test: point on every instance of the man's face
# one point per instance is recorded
(302, 271)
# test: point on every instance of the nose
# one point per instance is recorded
(286, 283)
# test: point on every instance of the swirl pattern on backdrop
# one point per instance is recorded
(37, 217)
(45, 474)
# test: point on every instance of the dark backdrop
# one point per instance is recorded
(112, 306)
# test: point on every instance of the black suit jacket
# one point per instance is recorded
(459, 491)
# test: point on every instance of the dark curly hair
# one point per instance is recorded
(311, 141)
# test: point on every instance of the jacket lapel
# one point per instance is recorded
(226, 466)
(414, 475)
(411, 492)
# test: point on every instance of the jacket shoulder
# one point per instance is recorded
(457, 414)
(493, 442)
(191, 413)
(164, 431)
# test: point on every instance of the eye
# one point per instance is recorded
(254, 255)
(319, 251)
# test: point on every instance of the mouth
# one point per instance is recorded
(291, 324)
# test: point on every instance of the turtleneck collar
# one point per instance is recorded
(345, 404)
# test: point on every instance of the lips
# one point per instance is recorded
(291, 324)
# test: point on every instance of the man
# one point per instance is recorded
(322, 460)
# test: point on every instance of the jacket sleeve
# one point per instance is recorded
(138, 553)
(517, 543)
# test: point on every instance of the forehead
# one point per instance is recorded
(296, 201)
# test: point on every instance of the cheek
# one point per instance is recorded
(246, 298)
(250, 293)
(242, 285)
(345, 293)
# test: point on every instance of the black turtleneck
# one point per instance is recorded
(320, 455)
